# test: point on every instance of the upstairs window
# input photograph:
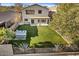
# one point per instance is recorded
(39, 11)
(30, 12)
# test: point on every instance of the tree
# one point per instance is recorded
(66, 22)
(18, 8)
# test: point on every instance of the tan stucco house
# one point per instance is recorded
(36, 15)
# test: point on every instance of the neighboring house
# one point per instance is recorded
(36, 15)
(7, 18)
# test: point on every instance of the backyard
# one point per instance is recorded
(37, 34)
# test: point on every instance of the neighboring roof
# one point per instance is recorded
(5, 16)
(36, 5)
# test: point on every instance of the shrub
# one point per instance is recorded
(6, 34)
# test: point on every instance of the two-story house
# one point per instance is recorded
(36, 15)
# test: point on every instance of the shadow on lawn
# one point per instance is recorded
(46, 44)
(32, 32)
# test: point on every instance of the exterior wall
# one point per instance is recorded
(39, 23)
(36, 23)
(36, 8)
(45, 13)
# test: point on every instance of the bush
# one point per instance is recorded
(6, 34)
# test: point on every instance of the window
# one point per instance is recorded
(32, 21)
(26, 19)
(30, 11)
(48, 21)
(39, 11)
(38, 20)
(43, 21)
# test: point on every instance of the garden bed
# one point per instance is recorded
(37, 34)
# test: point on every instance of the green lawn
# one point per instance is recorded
(46, 34)
(37, 34)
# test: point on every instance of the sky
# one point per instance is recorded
(43, 4)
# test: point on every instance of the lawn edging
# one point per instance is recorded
(61, 36)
